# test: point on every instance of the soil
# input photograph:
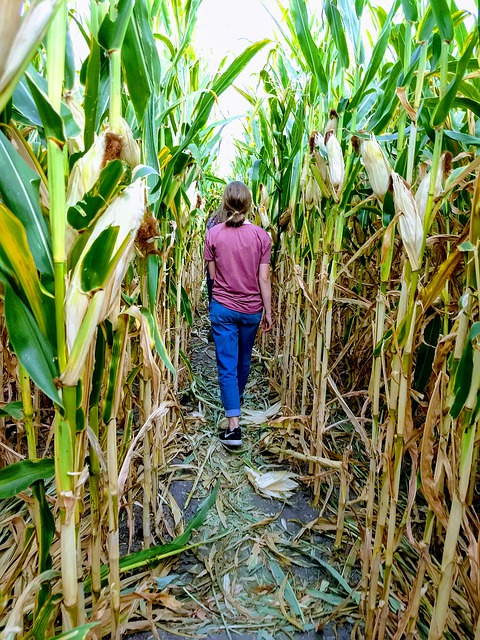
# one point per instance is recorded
(267, 569)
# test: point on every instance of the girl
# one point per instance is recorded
(238, 258)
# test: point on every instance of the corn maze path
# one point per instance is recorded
(267, 569)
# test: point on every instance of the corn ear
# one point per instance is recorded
(376, 165)
(126, 212)
(273, 484)
(421, 195)
(410, 222)
(336, 164)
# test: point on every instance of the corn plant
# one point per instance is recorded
(386, 251)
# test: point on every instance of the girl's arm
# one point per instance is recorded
(266, 293)
(211, 269)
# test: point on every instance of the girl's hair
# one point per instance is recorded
(236, 203)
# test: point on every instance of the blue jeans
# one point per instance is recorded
(234, 335)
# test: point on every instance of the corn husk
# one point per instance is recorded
(376, 165)
(421, 195)
(262, 213)
(19, 37)
(336, 165)
(332, 123)
(84, 310)
(75, 145)
(87, 169)
(263, 195)
(313, 193)
(409, 220)
(319, 153)
(273, 484)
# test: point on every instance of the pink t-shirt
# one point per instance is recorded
(238, 253)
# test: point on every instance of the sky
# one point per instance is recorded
(229, 27)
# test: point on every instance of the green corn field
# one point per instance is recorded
(360, 147)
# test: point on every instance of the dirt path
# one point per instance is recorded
(263, 571)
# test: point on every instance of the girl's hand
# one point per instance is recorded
(266, 322)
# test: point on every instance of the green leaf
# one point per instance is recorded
(353, 28)
(307, 44)
(155, 554)
(79, 633)
(12, 409)
(45, 529)
(20, 475)
(463, 138)
(18, 48)
(289, 593)
(69, 62)
(30, 345)
(92, 88)
(140, 59)
(97, 199)
(157, 339)
(45, 616)
(378, 55)
(18, 267)
(115, 360)
(51, 120)
(426, 25)
(441, 112)
(19, 187)
(410, 10)
(443, 19)
(97, 263)
(153, 269)
(463, 374)
(220, 84)
(112, 32)
(336, 26)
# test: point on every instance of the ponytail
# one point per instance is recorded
(237, 202)
(235, 219)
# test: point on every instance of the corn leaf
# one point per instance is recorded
(79, 633)
(81, 215)
(30, 345)
(112, 32)
(18, 267)
(91, 94)
(45, 533)
(13, 409)
(410, 10)
(220, 84)
(352, 26)
(463, 375)
(290, 596)
(441, 112)
(140, 59)
(153, 269)
(19, 187)
(157, 339)
(19, 476)
(96, 266)
(115, 366)
(155, 554)
(17, 50)
(45, 616)
(336, 25)
(443, 19)
(378, 54)
(307, 45)
(51, 120)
